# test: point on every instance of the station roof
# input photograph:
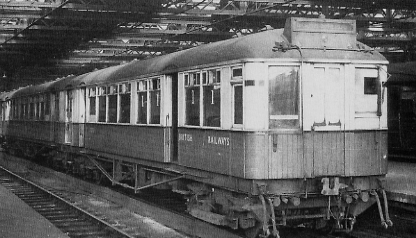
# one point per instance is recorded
(61, 37)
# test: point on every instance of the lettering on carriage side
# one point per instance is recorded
(185, 137)
(225, 141)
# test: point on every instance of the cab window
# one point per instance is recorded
(283, 97)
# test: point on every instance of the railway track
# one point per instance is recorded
(156, 205)
(367, 226)
(68, 218)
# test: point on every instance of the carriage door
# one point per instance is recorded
(325, 118)
(68, 116)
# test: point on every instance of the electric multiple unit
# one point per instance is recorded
(282, 127)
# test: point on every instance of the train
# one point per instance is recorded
(285, 127)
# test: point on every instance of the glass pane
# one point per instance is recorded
(37, 110)
(155, 107)
(238, 104)
(112, 108)
(102, 104)
(125, 108)
(237, 72)
(42, 111)
(192, 106)
(370, 86)
(283, 97)
(212, 106)
(32, 110)
(47, 104)
(142, 108)
(283, 91)
(22, 110)
(92, 106)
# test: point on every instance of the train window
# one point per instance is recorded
(47, 104)
(192, 94)
(32, 108)
(370, 86)
(69, 105)
(154, 101)
(26, 113)
(238, 103)
(237, 72)
(125, 102)
(237, 91)
(93, 102)
(187, 82)
(112, 104)
(102, 104)
(204, 78)
(283, 97)
(212, 99)
(37, 107)
(142, 102)
(22, 109)
(41, 108)
(12, 109)
(56, 116)
(195, 78)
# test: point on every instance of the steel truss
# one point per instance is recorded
(120, 30)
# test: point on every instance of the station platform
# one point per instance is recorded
(18, 220)
(401, 182)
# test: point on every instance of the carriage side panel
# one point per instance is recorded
(126, 140)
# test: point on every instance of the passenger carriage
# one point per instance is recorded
(283, 127)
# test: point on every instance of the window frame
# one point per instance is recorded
(211, 81)
(237, 81)
(199, 79)
(124, 88)
(142, 87)
(151, 89)
(112, 93)
(298, 106)
(106, 91)
(102, 92)
(92, 93)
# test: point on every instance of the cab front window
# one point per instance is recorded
(283, 97)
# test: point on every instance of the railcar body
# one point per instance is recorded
(283, 127)
(402, 110)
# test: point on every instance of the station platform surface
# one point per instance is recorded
(18, 220)
(401, 182)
